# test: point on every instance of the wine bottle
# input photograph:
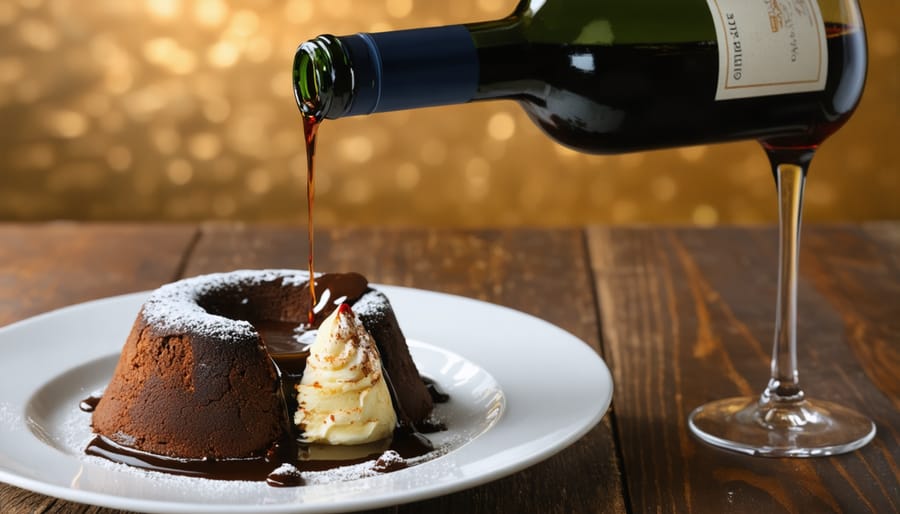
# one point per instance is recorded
(610, 76)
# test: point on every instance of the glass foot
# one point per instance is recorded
(806, 428)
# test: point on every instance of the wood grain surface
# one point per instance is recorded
(47, 266)
(682, 316)
(688, 317)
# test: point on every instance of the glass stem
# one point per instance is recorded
(790, 177)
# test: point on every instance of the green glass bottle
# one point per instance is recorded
(610, 76)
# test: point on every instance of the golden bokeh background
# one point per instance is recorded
(182, 110)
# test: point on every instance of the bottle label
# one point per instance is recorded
(769, 47)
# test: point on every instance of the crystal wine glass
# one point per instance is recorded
(783, 421)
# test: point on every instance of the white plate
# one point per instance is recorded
(521, 390)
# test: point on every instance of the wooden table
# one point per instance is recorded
(681, 315)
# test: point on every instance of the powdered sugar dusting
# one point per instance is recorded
(371, 304)
(10, 417)
(174, 308)
(339, 474)
(366, 469)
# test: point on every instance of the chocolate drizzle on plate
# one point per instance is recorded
(89, 403)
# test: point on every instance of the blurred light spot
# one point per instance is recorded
(11, 70)
(163, 8)
(624, 211)
(28, 90)
(115, 62)
(258, 49)
(38, 155)
(166, 140)
(297, 165)
(259, 181)
(565, 151)
(663, 188)
(223, 54)
(821, 194)
(356, 191)
(118, 81)
(631, 160)
(705, 215)
(692, 153)
(501, 126)
(478, 178)
(299, 11)
(75, 176)
(224, 170)
(407, 176)
(8, 13)
(224, 205)
(146, 184)
(37, 34)
(112, 121)
(179, 172)
(167, 53)
(433, 152)
(244, 23)
(883, 43)
(143, 104)
(859, 157)
(492, 5)
(183, 63)
(323, 184)
(248, 135)
(381, 26)
(888, 180)
(356, 148)
(492, 149)
(397, 118)
(477, 169)
(281, 84)
(601, 191)
(531, 194)
(399, 8)
(337, 8)
(118, 158)
(210, 13)
(286, 142)
(460, 10)
(177, 208)
(216, 109)
(205, 146)
(95, 104)
(68, 124)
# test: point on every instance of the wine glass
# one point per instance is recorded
(783, 421)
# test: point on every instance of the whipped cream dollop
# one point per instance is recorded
(343, 396)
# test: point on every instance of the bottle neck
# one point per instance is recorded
(365, 73)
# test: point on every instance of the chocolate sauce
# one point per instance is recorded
(437, 394)
(336, 289)
(389, 461)
(310, 129)
(404, 445)
(285, 476)
(281, 466)
(89, 403)
(286, 344)
(252, 469)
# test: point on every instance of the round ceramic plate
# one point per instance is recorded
(509, 409)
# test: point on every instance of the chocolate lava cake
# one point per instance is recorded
(201, 374)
